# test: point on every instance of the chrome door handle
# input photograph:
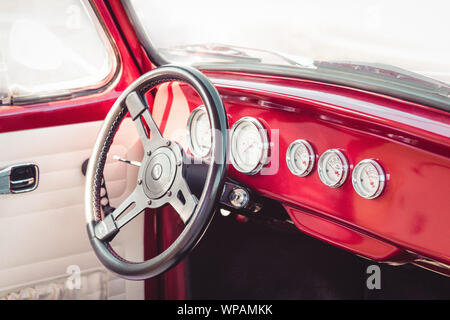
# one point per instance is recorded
(19, 178)
(22, 183)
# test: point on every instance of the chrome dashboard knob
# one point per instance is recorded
(238, 198)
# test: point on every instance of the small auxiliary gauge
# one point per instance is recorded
(333, 168)
(300, 157)
(368, 179)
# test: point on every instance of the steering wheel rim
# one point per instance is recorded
(101, 229)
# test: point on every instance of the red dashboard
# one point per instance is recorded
(410, 219)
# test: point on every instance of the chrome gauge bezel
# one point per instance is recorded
(322, 168)
(192, 148)
(356, 181)
(291, 162)
(264, 157)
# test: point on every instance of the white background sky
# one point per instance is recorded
(414, 35)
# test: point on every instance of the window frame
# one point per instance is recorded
(70, 93)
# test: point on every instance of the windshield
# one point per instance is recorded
(395, 47)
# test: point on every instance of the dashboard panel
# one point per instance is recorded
(408, 218)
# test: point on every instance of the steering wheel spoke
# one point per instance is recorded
(138, 110)
(106, 229)
(183, 201)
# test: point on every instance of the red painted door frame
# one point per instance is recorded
(163, 226)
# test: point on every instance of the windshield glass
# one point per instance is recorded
(391, 46)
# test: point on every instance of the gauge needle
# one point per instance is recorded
(335, 171)
(372, 184)
(134, 163)
(248, 147)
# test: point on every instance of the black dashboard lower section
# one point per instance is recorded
(253, 260)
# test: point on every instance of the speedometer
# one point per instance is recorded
(249, 145)
(300, 157)
(199, 132)
(333, 168)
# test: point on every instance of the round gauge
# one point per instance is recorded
(333, 168)
(249, 145)
(199, 132)
(300, 158)
(368, 179)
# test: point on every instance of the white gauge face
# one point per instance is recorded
(368, 179)
(199, 132)
(249, 145)
(333, 168)
(300, 158)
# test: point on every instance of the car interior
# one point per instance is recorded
(157, 150)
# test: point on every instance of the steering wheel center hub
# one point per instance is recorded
(159, 173)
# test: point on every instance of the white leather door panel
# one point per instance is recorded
(43, 232)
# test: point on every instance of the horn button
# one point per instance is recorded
(159, 172)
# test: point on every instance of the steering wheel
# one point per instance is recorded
(160, 179)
